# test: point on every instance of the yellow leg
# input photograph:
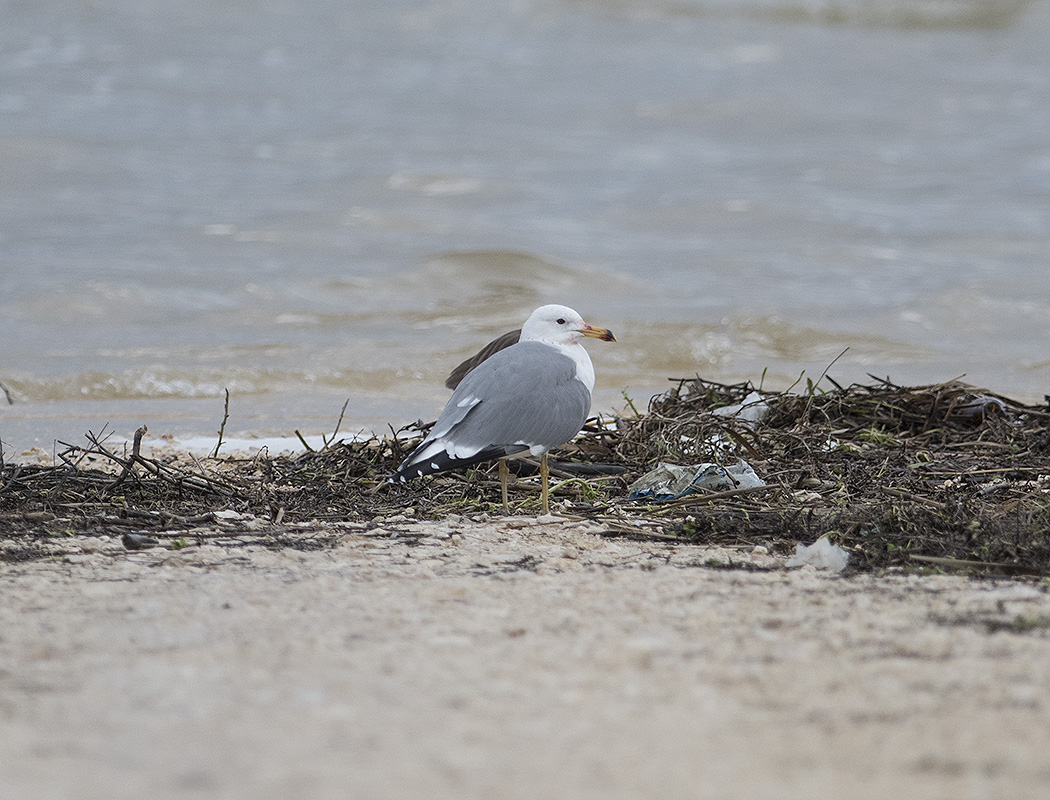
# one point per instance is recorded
(544, 477)
(504, 474)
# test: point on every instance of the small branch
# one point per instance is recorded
(7, 394)
(161, 472)
(339, 422)
(129, 465)
(742, 441)
(914, 498)
(222, 427)
(15, 473)
(307, 446)
(395, 444)
(829, 366)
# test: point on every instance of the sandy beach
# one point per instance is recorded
(242, 245)
(512, 657)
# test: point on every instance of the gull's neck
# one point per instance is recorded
(578, 353)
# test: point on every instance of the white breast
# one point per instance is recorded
(584, 367)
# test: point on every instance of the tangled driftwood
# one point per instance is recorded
(941, 474)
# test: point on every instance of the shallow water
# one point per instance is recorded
(310, 203)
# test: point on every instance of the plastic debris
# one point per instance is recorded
(978, 409)
(806, 496)
(752, 410)
(671, 481)
(822, 554)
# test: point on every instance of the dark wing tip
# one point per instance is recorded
(502, 343)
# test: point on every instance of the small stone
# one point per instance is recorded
(138, 541)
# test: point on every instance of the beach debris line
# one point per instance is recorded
(898, 476)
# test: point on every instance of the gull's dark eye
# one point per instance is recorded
(561, 322)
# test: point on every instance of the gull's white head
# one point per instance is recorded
(560, 325)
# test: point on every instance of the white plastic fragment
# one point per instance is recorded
(668, 481)
(822, 554)
(752, 410)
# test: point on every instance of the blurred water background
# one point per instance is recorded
(313, 201)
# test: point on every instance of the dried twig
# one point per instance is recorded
(222, 426)
(305, 443)
(338, 422)
(129, 464)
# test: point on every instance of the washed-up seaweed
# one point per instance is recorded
(919, 477)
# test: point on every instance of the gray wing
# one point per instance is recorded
(493, 347)
(527, 393)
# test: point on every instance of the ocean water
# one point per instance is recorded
(317, 203)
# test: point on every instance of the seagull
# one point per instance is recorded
(523, 399)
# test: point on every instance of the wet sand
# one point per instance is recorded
(508, 658)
